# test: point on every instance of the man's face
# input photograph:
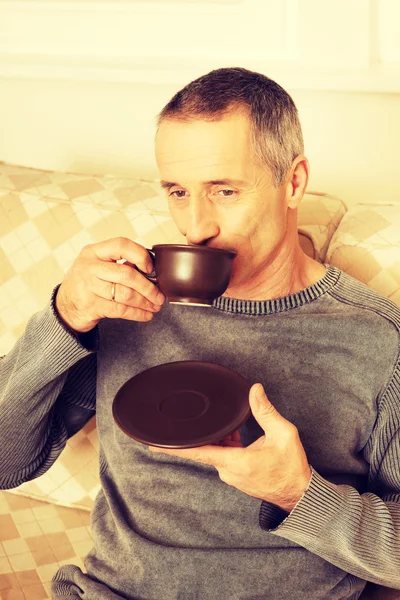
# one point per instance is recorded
(218, 196)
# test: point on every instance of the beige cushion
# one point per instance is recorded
(366, 246)
(318, 217)
(45, 219)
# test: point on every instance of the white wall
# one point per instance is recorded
(81, 82)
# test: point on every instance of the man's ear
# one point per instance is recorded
(297, 181)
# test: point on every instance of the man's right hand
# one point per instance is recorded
(84, 297)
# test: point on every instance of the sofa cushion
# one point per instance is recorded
(366, 246)
(46, 218)
(318, 217)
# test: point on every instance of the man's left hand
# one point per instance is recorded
(273, 468)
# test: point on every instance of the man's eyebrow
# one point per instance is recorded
(166, 185)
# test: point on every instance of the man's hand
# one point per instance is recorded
(273, 468)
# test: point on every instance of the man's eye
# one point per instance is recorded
(230, 192)
(181, 193)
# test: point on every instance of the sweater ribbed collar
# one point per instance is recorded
(276, 305)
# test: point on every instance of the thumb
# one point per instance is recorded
(263, 411)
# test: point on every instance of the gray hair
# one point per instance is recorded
(275, 127)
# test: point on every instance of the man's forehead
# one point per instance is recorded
(198, 152)
(205, 136)
(202, 170)
(201, 153)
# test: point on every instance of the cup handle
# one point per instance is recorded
(151, 277)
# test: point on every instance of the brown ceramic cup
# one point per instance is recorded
(192, 275)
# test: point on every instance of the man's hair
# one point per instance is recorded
(275, 127)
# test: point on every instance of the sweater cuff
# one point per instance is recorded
(315, 509)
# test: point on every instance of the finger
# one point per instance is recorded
(122, 247)
(127, 276)
(236, 435)
(231, 444)
(116, 310)
(123, 295)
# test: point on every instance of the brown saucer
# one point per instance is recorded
(182, 404)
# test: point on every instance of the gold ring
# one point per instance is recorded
(113, 292)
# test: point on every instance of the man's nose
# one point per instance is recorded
(201, 224)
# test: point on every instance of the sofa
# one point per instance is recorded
(46, 218)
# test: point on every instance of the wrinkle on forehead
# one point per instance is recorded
(196, 152)
(202, 151)
(203, 169)
(173, 160)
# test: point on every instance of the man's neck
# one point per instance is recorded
(287, 275)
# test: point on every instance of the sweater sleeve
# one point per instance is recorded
(357, 532)
(47, 393)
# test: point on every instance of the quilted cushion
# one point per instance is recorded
(366, 246)
(46, 218)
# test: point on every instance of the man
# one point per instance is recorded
(305, 503)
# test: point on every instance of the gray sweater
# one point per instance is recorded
(167, 528)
